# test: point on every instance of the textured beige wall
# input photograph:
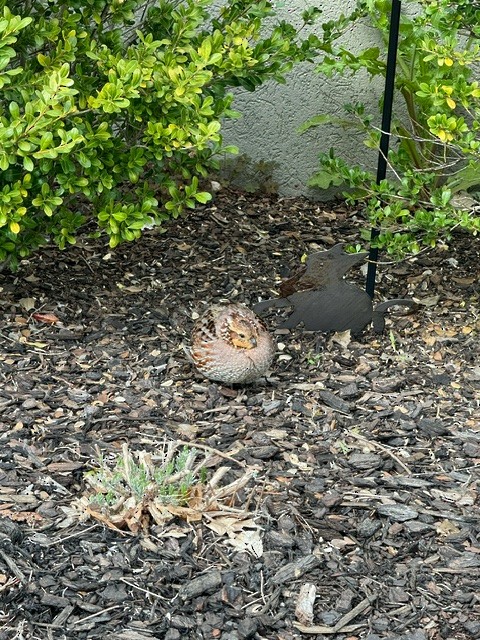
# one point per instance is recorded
(272, 114)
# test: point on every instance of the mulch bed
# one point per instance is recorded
(366, 449)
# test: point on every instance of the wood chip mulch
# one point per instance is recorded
(365, 449)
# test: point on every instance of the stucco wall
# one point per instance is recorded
(272, 114)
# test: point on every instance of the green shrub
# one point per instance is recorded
(111, 110)
(435, 145)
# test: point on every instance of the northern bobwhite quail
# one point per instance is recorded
(231, 344)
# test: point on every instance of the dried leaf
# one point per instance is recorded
(428, 301)
(446, 528)
(445, 332)
(30, 517)
(46, 318)
(188, 514)
(343, 338)
(341, 543)
(464, 281)
(131, 288)
(230, 524)
(27, 303)
(249, 541)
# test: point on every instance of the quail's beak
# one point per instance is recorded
(253, 342)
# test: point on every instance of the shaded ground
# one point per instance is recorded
(366, 450)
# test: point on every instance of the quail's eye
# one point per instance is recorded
(242, 335)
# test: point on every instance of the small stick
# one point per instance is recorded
(197, 445)
(72, 535)
(149, 593)
(97, 613)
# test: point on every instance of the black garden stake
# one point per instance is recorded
(386, 125)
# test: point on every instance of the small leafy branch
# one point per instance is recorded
(112, 111)
(141, 489)
(435, 147)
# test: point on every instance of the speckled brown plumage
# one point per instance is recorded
(231, 344)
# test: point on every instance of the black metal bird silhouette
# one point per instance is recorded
(324, 301)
